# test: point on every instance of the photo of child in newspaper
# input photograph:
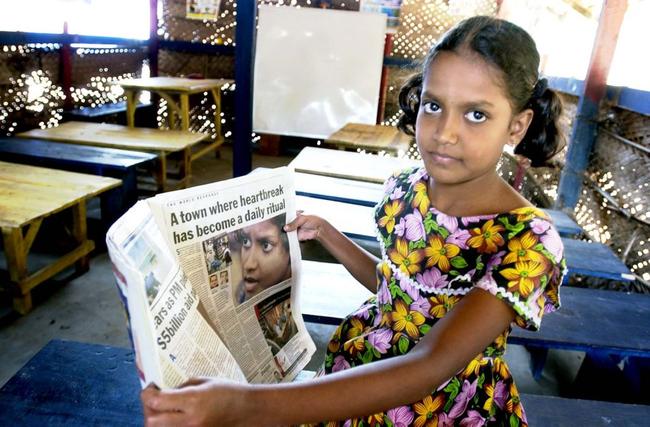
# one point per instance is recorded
(274, 316)
(263, 253)
(217, 253)
(214, 281)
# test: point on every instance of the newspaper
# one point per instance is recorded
(209, 280)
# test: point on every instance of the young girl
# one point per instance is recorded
(463, 257)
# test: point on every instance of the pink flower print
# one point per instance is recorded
(501, 394)
(474, 419)
(397, 193)
(449, 222)
(495, 260)
(422, 305)
(390, 185)
(466, 394)
(407, 287)
(400, 417)
(340, 364)
(539, 226)
(363, 312)
(401, 227)
(380, 339)
(383, 294)
(414, 226)
(432, 279)
(459, 238)
(444, 420)
(417, 176)
(552, 242)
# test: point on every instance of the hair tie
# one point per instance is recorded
(539, 88)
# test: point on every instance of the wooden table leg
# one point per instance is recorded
(16, 254)
(80, 234)
(185, 111)
(186, 167)
(161, 172)
(130, 107)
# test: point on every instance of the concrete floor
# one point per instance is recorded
(87, 309)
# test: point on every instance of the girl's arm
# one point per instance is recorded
(359, 262)
(449, 346)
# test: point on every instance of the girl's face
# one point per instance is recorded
(465, 119)
(265, 260)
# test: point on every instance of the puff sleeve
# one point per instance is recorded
(527, 271)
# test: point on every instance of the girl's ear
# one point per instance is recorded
(518, 126)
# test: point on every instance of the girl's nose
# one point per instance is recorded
(250, 261)
(446, 130)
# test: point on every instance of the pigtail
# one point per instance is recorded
(543, 138)
(409, 102)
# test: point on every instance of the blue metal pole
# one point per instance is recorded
(585, 126)
(244, 54)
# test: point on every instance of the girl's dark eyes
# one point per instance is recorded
(476, 116)
(430, 107)
(267, 246)
(246, 242)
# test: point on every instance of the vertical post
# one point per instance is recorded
(585, 127)
(153, 38)
(65, 58)
(388, 47)
(244, 54)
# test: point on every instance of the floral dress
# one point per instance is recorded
(429, 262)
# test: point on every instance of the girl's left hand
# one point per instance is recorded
(199, 402)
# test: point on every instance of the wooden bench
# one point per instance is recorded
(120, 164)
(29, 194)
(71, 383)
(102, 112)
(590, 320)
(357, 222)
(371, 138)
(161, 142)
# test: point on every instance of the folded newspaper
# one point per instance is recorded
(209, 282)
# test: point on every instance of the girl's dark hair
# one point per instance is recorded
(511, 50)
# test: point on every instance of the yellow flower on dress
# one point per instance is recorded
(439, 253)
(421, 198)
(391, 210)
(408, 262)
(441, 304)
(356, 339)
(520, 249)
(523, 277)
(474, 366)
(489, 390)
(427, 411)
(527, 213)
(487, 238)
(501, 368)
(405, 319)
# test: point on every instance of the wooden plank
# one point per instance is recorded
(174, 84)
(357, 222)
(588, 320)
(30, 192)
(370, 137)
(117, 136)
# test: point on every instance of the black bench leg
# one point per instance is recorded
(538, 357)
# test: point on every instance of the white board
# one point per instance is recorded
(316, 70)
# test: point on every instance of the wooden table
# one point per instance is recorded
(69, 383)
(161, 142)
(29, 194)
(176, 91)
(371, 138)
(120, 164)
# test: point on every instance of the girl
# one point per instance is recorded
(463, 257)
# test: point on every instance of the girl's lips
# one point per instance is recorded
(443, 159)
(250, 284)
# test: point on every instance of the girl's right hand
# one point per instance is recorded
(309, 227)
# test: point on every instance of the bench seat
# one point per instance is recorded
(71, 383)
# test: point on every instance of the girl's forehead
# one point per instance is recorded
(465, 73)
